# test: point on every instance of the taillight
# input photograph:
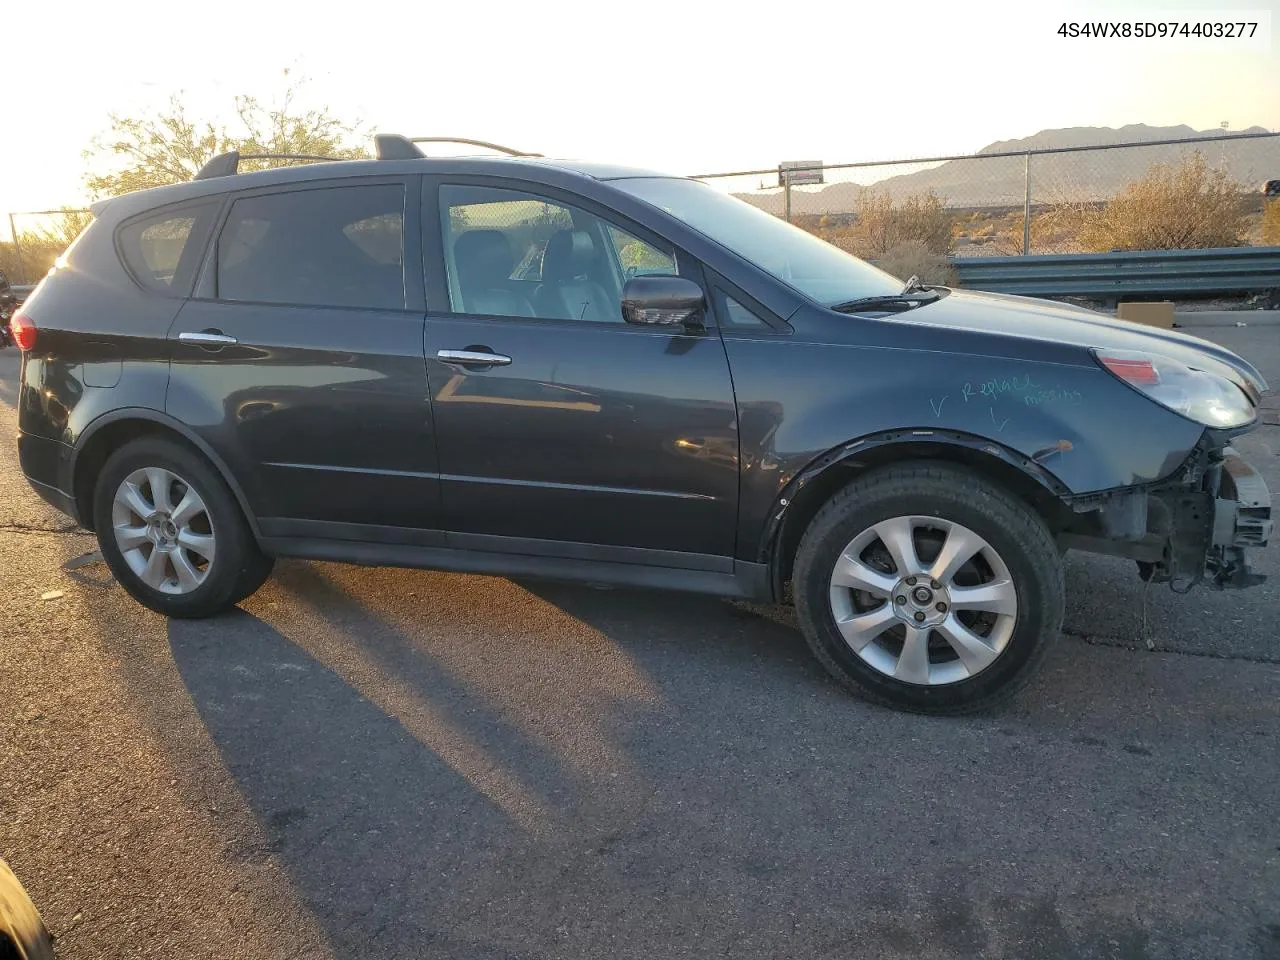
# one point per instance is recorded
(1138, 371)
(23, 331)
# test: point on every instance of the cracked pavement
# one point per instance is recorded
(385, 763)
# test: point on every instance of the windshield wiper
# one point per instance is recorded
(891, 301)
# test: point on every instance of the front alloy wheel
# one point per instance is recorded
(927, 586)
(923, 600)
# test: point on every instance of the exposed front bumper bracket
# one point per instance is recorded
(1199, 527)
(1241, 519)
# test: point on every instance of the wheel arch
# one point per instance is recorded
(808, 490)
(111, 431)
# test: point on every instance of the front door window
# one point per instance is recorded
(513, 254)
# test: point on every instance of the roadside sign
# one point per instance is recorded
(799, 171)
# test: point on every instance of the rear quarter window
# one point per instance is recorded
(162, 250)
(324, 247)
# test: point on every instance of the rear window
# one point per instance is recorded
(161, 250)
(331, 247)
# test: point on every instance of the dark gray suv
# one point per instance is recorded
(526, 367)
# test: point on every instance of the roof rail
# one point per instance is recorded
(510, 151)
(228, 164)
(387, 146)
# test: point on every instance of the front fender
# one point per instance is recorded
(931, 444)
(1081, 426)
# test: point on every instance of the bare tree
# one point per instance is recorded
(38, 247)
(171, 146)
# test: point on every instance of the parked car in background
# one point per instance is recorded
(8, 304)
(528, 367)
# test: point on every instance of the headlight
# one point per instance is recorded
(1203, 397)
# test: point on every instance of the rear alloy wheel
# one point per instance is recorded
(164, 531)
(173, 533)
(927, 587)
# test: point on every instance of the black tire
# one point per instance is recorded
(954, 494)
(239, 568)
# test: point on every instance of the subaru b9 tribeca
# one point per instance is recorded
(533, 368)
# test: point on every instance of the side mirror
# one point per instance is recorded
(663, 301)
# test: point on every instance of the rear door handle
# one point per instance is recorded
(470, 358)
(208, 338)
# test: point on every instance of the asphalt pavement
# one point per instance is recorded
(382, 763)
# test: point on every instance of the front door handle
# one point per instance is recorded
(471, 358)
(208, 338)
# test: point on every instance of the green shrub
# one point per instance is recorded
(912, 258)
(1271, 222)
(1181, 206)
(882, 224)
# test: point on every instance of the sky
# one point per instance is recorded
(676, 85)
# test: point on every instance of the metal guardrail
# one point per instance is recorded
(1115, 276)
(1106, 276)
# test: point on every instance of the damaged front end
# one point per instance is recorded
(1196, 526)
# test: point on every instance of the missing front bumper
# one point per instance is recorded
(1198, 529)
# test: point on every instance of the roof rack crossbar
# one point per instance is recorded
(223, 165)
(392, 146)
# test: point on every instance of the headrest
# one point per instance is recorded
(483, 257)
(569, 254)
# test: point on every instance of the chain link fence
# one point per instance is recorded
(36, 239)
(1161, 194)
(1164, 194)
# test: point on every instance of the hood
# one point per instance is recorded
(1063, 323)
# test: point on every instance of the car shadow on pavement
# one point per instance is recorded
(625, 774)
(361, 814)
(466, 766)
(423, 793)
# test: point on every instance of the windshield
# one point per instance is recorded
(812, 266)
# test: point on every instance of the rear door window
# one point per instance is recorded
(330, 247)
(162, 250)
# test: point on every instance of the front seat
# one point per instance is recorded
(484, 262)
(566, 292)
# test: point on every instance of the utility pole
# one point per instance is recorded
(17, 250)
(1026, 205)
